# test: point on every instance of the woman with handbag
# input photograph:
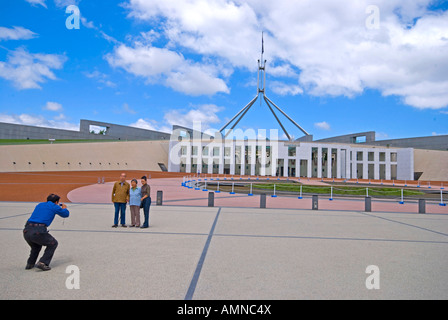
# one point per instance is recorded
(145, 200)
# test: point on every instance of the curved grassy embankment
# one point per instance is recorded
(339, 190)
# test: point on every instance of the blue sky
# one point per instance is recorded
(156, 63)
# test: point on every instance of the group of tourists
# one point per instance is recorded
(137, 197)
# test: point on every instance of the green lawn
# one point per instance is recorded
(45, 141)
(337, 190)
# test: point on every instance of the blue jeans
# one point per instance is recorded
(146, 203)
(119, 206)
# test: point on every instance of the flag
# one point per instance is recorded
(262, 43)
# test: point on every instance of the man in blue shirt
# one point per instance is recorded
(36, 233)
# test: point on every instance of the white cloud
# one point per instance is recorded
(58, 3)
(28, 70)
(128, 109)
(145, 124)
(326, 40)
(322, 125)
(91, 25)
(208, 27)
(148, 62)
(284, 89)
(438, 134)
(171, 68)
(125, 108)
(150, 125)
(381, 135)
(195, 80)
(60, 117)
(16, 33)
(66, 3)
(39, 121)
(101, 78)
(87, 24)
(53, 106)
(36, 2)
(205, 114)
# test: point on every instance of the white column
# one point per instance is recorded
(262, 144)
(338, 163)
(188, 157)
(387, 165)
(309, 169)
(376, 165)
(285, 165)
(319, 162)
(210, 158)
(199, 156)
(221, 158)
(232, 146)
(274, 157)
(365, 165)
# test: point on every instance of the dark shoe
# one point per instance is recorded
(124, 226)
(144, 227)
(29, 266)
(115, 225)
(42, 266)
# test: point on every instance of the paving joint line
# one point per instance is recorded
(17, 215)
(405, 224)
(197, 272)
(116, 231)
(325, 238)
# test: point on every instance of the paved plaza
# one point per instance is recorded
(192, 252)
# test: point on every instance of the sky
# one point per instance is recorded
(335, 67)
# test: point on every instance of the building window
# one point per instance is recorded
(227, 151)
(370, 156)
(268, 151)
(382, 156)
(360, 139)
(248, 154)
(194, 151)
(393, 171)
(215, 151)
(291, 151)
(393, 157)
(359, 155)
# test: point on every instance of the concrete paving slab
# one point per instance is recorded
(287, 268)
(325, 224)
(230, 253)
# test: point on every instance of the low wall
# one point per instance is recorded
(132, 155)
(433, 164)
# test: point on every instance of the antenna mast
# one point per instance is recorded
(261, 88)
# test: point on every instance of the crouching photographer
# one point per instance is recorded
(37, 235)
